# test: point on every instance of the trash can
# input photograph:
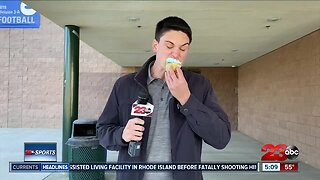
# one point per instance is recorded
(85, 148)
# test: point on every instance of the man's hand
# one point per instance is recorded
(133, 130)
(178, 85)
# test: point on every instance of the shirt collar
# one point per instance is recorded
(150, 78)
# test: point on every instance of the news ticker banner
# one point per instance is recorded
(223, 167)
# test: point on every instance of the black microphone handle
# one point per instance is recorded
(134, 148)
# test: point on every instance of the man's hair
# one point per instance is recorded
(172, 23)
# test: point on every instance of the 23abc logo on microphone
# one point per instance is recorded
(280, 152)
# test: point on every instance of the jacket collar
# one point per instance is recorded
(142, 75)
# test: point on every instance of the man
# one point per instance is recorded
(185, 110)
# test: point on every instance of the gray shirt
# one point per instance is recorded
(159, 145)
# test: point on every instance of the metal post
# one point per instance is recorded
(70, 85)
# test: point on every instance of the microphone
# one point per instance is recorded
(140, 108)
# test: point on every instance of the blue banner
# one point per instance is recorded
(16, 14)
(43, 151)
(55, 167)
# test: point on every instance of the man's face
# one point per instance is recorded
(174, 44)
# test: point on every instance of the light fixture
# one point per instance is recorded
(273, 19)
(133, 19)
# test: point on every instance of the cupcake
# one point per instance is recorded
(173, 64)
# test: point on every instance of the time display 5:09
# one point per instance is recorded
(275, 167)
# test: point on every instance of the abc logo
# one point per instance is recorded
(292, 152)
(280, 152)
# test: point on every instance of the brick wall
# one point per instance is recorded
(225, 82)
(4, 76)
(31, 76)
(279, 97)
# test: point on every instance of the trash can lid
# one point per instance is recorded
(85, 121)
(84, 127)
(86, 141)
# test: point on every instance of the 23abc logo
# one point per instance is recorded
(280, 152)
